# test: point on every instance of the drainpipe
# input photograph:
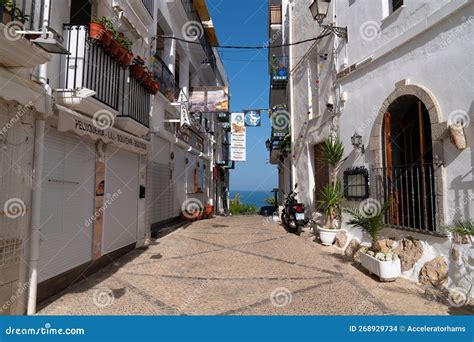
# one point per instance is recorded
(292, 99)
(35, 234)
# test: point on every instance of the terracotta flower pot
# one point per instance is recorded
(138, 71)
(126, 59)
(96, 31)
(154, 87)
(113, 48)
(120, 53)
(146, 78)
(106, 38)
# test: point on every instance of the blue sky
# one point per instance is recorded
(244, 22)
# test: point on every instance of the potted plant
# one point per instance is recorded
(126, 45)
(108, 30)
(386, 265)
(154, 87)
(12, 12)
(97, 28)
(138, 68)
(333, 152)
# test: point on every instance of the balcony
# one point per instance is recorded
(92, 80)
(275, 16)
(204, 39)
(16, 50)
(168, 86)
(279, 72)
(149, 6)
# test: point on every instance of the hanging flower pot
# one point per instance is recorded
(146, 79)
(138, 71)
(154, 87)
(120, 53)
(106, 38)
(149, 80)
(96, 31)
(126, 59)
(113, 48)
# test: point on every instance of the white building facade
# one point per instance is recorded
(92, 157)
(402, 82)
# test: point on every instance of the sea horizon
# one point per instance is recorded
(255, 197)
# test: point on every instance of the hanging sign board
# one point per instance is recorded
(185, 122)
(238, 137)
(253, 118)
(209, 99)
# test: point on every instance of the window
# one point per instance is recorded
(356, 183)
(396, 4)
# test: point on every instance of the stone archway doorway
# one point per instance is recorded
(407, 159)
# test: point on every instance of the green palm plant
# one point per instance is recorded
(333, 152)
(462, 228)
(331, 200)
(371, 222)
(270, 200)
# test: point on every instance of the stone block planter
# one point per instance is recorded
(385, 270)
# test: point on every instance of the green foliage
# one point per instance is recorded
(15, 11)
(462, 228)
(331, 200)
(106, 22)
(372, 223)
(270, 200)
(124, 41)
(286, 143)
(333, 152)
(238, 208)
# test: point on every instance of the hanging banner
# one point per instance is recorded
(209, 99)
(238, 137)
(185, 122)
(253, 118)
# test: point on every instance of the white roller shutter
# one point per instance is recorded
(67, 202)
(122, 190)
(160, 193)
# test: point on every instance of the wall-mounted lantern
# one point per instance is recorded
(356, 141)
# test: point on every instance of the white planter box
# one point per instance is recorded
(385, 270)
(327, 236)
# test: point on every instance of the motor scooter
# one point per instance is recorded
(293, 216)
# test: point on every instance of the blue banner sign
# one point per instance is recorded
(242, 328)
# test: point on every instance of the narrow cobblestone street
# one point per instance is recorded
(231, 266)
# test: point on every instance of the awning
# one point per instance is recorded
(71, 121)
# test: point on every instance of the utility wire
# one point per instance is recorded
(247, 47)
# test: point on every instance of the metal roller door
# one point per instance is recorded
(67, 202)
(121, 191)
(160, 199)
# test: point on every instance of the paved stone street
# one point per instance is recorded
(231, 266)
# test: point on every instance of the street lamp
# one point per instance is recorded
(356, 141)
(319, 10)
(268, 143)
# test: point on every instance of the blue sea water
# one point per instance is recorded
(252, 197)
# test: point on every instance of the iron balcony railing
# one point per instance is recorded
(90, 66)
(29, 12)
(279, 72)
(413, 193)
(149, 6)
(168, 86)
